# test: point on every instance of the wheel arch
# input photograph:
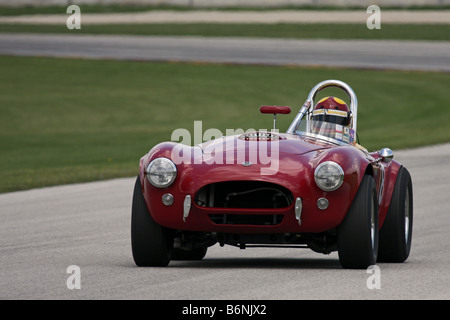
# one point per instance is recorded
(369, 170)
(391, 174)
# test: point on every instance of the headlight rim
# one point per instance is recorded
(334, 164)
(148, 172)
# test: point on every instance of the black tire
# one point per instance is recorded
(194, 254)
(151, 243)
(358, 233)
(396, 232)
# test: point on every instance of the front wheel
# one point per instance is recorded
(358, 233)
(396, 232)
(194, 254)
(151, 243)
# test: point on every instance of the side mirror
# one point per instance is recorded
(386, 155)
(275, 110)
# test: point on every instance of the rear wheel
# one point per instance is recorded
(396, 232)
(151, 243)
(358, 233)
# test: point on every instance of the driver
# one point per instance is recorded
(331, 117)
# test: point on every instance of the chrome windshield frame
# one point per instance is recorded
(309, 104)
(321, 137)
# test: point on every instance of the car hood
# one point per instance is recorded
(261, 141)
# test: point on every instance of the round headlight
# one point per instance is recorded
(161, 172)
(329, 176)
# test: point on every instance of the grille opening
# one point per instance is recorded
(247, 219)
(244, 195)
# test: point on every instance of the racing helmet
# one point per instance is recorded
(332, 109)
(329, 113)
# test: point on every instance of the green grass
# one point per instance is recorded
(85, 8)
(283, 30)
(69, 120)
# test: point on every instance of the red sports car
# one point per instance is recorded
(313, 186)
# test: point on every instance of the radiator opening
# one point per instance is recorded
(244, 195)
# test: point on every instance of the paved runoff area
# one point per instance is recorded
(220, 16)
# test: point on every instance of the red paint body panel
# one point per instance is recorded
(385, 176)
(294, 159)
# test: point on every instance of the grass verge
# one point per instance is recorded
(283, 30)
(69, 120)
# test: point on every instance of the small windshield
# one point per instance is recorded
(333, 131)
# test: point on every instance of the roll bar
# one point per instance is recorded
(309, 103)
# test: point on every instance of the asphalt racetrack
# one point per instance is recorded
(45, 231)
(380, 54)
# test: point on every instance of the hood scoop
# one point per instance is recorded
(261, 136)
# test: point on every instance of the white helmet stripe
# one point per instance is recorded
(330, 112)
